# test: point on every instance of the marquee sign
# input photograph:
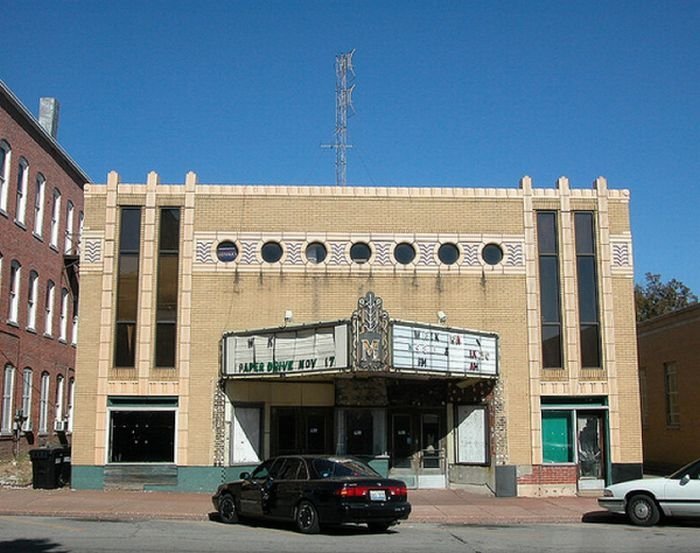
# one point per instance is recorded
(369, 342)
(447, 351)
(289, 351)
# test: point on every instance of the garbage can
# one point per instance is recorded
(50, 467)
(43, 468)
(63, 467)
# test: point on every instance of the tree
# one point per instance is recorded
(656, 298)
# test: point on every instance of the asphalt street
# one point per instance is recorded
(62, 535)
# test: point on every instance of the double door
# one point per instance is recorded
(418, 447)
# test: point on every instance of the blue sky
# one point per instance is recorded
(448, 94)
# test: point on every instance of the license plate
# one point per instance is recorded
(377, 495)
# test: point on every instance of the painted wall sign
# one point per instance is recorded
(286, 351)
(423, 348)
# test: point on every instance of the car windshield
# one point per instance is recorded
(691, 469)
(329, 468)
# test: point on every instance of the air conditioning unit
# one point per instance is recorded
(60, 426)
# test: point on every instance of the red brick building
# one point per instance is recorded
(41, 214)
(669, 359)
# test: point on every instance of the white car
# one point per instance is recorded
(646, 500)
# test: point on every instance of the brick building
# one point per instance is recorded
(41, 213)
(669, 358)
(448, 336)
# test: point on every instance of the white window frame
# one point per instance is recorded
(68, 246)
(60, 382)
(39, 201)
(55, 218)
(27, 389)
(22, 180)
(81, 224)
(7, 414)
(48, 310)
(63, 317)
(71, 403)
(15, 276)
(32, 291)
(44, 403)
(5, 174)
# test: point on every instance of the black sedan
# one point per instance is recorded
(314, 491)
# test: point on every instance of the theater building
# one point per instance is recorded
(448, 336)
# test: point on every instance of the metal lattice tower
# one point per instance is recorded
(344, 77)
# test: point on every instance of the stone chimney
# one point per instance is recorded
(48, 115)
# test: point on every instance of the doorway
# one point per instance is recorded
(417, 453)
(590, 443)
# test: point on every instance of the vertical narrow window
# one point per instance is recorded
(63, 326)
(55, 218)
(44, 403)
(127, 287)
(48, 309)
(15, 274)
(74, 332)
(21, 204)
(71, 402)
(32, 292)
(68, 246)
(39, 199)
(4, 173)
(550, 289)
(166, 309)
(27, 399)
(81, 224)
(7, 395)
(644, 405)
(587, 277)
(671, 392)
(59, 403)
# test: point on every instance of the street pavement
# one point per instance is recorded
(454, 506)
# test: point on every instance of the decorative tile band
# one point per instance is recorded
(336, 253)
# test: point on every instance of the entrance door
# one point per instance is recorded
(590, 432)
(417, 453)
(402, 441)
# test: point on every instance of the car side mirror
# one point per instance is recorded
(685, 479)
(245, 475)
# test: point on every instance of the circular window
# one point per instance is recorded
(448, 254)
(271, 252)
(492, 254)
(360, 252)
(404, 253)
(316, 252)
(226, 251)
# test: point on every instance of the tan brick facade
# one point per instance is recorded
(217, 297)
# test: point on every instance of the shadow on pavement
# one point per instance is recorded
(606, 517)
(31, 546)
(335, 530)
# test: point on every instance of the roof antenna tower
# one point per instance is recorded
(344, 86)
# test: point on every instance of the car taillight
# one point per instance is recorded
(399, 491)
(363, 491)
(352, 491)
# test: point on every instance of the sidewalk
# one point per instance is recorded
(436, 506)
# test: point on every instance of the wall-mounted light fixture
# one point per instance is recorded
(288, 316)
(442, 317)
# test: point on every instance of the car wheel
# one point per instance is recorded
(306, 518)
(643, 511)
(378, 526)
(227, 509)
